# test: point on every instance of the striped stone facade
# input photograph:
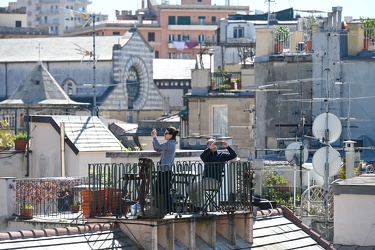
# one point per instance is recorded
(138, 54)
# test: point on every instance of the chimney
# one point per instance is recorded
(349, 149)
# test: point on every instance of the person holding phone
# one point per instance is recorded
(212, 173)
(164, 167)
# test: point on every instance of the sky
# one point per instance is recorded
(354, 8)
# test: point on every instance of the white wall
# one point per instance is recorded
(354, 219)
(45, 146)
(9, 20)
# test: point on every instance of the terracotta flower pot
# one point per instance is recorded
(75, 208)
(20, 144)
(26, 213)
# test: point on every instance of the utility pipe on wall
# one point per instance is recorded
(62, 148)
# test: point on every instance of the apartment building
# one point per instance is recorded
(174, 31)
(55, 15)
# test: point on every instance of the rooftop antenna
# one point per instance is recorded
(39, 48)
(269, 11)
(89, 18)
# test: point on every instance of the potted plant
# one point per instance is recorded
(223, 86)
(307, 26)
(26, 211)
(281, 37)
(6, 136)
(369, 26)
(75, 207)
(213, 83)
(20, 141)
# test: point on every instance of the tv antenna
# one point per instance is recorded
(269, 11)
(89, 18)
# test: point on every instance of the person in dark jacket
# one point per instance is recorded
(164, 167)
(214, 162)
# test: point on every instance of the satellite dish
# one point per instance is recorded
(320, 158)
(293, 152)
(327, 121)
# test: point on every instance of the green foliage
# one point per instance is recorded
(20, 136)
(282, 34)
(28, 206)
(223, 86)
(6, 137)
(369, 25)
(307, 24)
(277, 188)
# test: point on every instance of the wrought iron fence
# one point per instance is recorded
(368, 42)
(149, 190)
(48, 197)
(142, 189)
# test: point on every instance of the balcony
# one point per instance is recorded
(368, 42)
(224, 80)
(48, 197)
(137, 190)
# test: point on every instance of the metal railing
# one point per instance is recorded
(226, 80)
(48, 197)
(153, 191)
(139, 189)
(368, 42)
(282, 43)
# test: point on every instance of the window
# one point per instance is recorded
(238, 32)
(170, 38)
(201, 38)
(156, 54)
(132, 86)
(183, 20)
(183, 38)
(18, 24)
(116, 33)
(69, 86)
(213, 20)
(219, 120)
(151, 37)
(213, 39)
(201, 20)
(199, 1)
(171, 20)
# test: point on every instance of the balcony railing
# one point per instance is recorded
(141, 190)
(138, 189)
(368, 42)
(49, 197)
(225, 80)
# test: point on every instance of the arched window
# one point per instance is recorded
(70, 87)
(132, 86)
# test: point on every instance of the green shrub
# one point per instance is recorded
(20, 136)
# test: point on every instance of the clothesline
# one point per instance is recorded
(181, 45)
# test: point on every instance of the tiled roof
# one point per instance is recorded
(84, 133)
(39, 88)
(58, 48)
(281, 229)
(272, 229)
(99, 236)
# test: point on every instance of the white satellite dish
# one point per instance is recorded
(327, 121)
(293, 152)
(320, 158)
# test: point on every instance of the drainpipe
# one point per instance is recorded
(62, 148)
(199, 116)
(28, 142)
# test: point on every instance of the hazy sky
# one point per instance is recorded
(355, 8)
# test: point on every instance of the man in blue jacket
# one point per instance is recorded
(213, 171)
